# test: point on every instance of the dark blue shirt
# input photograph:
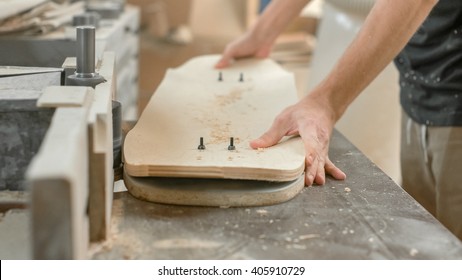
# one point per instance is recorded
(430, 68)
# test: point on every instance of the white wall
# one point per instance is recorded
(372, 121)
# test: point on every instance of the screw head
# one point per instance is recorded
(201, 144)
(231, 144)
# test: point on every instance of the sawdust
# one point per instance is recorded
(233, 96)
(262, 212)
(107, 245)
(413, 252)
(128, 242)
(219, 132)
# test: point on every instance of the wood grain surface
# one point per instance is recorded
(192, 102)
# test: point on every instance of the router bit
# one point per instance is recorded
(85, 74)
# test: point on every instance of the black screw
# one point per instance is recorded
(220, 76)
(241, 77)
(231, 144)
(201, 144)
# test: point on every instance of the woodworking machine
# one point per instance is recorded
(75, 132)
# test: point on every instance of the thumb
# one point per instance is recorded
(224, 61)
(268, 139)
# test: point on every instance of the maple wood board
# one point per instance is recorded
(191, 103)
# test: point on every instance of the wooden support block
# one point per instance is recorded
(58, 179)
(59, 96)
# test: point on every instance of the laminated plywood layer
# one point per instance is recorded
(193, 102)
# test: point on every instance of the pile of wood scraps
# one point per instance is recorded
(32, 17)
(294, 49)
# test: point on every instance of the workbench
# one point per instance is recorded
(367, 216)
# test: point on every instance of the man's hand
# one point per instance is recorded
(259, 39)
(312, 120)
(248, 45)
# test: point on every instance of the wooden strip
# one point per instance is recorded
(59, 96)
(101, 153)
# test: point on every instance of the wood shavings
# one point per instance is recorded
(413, 252)
(308, 236)
(262, 212)
(260, 150)
(298, 247)
(347, 190)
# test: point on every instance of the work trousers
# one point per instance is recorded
(431, 165)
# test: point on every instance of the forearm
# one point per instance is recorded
(276, 17)
(387, 29)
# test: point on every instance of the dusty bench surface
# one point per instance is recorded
(367, 216)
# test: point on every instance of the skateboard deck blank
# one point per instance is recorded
(193, 101)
